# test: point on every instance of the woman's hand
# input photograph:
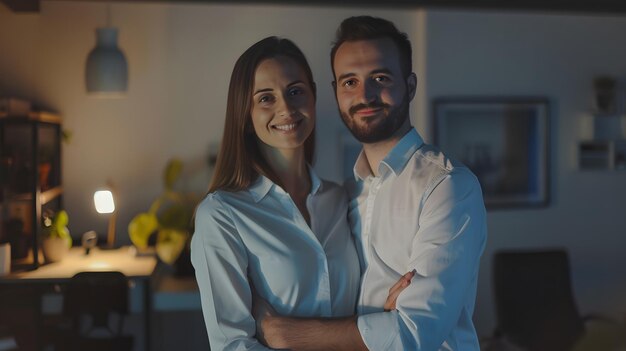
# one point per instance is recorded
(396, 289)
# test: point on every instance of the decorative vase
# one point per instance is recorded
(54, 248)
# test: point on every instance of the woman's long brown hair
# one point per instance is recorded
(239, 161)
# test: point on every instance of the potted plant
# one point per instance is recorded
(57, 240)
(169, 216)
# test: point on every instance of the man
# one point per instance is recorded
(412, 210)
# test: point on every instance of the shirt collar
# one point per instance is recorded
(263, 185)
(395, 160)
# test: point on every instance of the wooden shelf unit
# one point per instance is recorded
(30, 181)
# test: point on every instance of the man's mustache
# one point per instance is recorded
(354, 109)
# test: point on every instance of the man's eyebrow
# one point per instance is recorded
(376, 71)
(295, 82)
(345, 75)
(262, 91)
(382, 70)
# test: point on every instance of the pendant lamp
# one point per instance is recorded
(106, 71)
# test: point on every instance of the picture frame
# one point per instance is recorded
(504, 141)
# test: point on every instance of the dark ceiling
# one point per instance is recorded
(607, 7)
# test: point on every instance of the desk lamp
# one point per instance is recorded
(103, 199)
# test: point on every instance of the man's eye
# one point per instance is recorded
(381, 79)
(349, 83)
(295, 91)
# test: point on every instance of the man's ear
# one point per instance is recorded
(334, 84)
(411, 85)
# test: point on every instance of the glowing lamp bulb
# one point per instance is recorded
(103, 199)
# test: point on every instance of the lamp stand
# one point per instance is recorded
(111, 232)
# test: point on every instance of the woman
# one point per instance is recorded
(269, 224)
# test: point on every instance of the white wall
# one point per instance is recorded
(17, 53)
(555, 56)
(180, 57)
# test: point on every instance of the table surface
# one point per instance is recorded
(123, 260)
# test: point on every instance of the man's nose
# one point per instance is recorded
(369, 92)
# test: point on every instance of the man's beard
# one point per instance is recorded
(385, 128)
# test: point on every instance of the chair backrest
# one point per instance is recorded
(97, 295)
(534, 301)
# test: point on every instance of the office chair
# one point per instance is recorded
(97, 303)
(535, 306)
(534, 303)
(20, 313)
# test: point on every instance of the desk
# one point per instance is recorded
(137, 269)
(178, 323)
(173, 293)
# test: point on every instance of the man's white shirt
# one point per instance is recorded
(424, 212)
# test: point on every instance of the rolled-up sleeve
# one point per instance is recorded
(445, 255)
(220, 262)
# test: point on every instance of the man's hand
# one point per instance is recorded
(316, 333)
(274, 330)
(396, 289)
(262, 311)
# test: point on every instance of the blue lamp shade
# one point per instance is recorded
(106, 72)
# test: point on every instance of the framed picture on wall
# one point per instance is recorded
(504, 141)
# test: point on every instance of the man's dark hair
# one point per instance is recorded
(368, 28)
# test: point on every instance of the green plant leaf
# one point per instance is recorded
(141, 227)
(172, 172)
(60, 220)
(170, 214)
(170, 243)
(156, 204)
(176, 217)
(66, 135)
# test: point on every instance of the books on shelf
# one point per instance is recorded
(20, 108)
(602, 155)
(10, 106)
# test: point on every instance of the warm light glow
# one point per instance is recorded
(103, 199)
(99, 265)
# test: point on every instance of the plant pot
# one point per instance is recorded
(54, 249)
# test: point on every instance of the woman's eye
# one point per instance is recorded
(265, 98)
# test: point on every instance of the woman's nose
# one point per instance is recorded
(285, 107)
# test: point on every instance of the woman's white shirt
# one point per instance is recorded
(257, 238)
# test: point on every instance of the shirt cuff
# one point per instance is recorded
(379, 330)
